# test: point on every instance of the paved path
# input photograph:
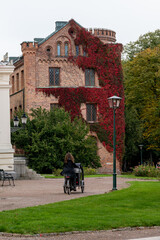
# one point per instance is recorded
(28, 193)
(38, 192)
(121, 234)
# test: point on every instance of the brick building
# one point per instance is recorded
(44, 63)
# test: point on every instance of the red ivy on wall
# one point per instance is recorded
(106, 61)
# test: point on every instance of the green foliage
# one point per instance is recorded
(87, 171)
(100, 131)
(141, 70)
(146, 171)
(57, 172)
(142, 90)
(133, 137)
(135, 206)
(50, 135)
(90, 171)
(148, 40)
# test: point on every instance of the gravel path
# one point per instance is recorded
(28, 193)
(118, 234)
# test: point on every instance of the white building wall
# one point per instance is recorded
(6, 150)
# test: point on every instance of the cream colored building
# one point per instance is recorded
(6, 150)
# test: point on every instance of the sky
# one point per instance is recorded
(24, 20)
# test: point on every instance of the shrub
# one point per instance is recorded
(49, 135)
(57, 172)
(89, 171)
(146, 171)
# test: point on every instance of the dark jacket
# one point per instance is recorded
(68, 169)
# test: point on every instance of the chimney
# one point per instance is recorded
(60, 24)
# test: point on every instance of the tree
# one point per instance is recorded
(50, 135)
(142, 91)
(148, 40)
(133, 138)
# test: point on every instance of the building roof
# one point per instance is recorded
(38, 39)
(14, 59)
(59, 26)
(56, 30)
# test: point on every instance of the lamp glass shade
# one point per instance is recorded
(24, 118)
(114, 102)
(16, 121)
(141, 146)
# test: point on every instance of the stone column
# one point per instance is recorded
(6, 150)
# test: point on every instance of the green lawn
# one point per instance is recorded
(86, 176)
(137, 205)
(103, 175)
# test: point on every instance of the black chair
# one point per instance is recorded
(6, 176)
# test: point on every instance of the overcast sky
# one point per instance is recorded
(24, 20)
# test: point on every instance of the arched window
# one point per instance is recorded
(89, 77)
(66, 49)
(77, 50)
(12, 84)
(91, 113)
(58, 49)
(22, 79)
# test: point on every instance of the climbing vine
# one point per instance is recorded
(106, 61)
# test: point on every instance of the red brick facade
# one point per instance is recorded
(32, 71)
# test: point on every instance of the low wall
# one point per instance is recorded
(20, 167)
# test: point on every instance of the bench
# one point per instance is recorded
(6, 176)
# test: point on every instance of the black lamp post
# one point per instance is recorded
(16, 123)
(114, 103)
(141, 146)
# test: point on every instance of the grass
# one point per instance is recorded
(137, 205)
(137, 177)
(86, 176)
(103, 175)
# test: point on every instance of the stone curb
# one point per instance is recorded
(75, 232)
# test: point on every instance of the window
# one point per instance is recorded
(89, 77)
(58, 49)
(84, 53)
(17, 81)
(66, 49)
(77, 50)
(12, 84)
(22, 79)
(10, 113)
(91, 113)
(53, 106)
(54, 76)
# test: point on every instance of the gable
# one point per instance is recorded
(59, 26)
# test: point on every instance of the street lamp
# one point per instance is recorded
(114, 103)
(141, 146)
(24, 119)
(16, 123)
